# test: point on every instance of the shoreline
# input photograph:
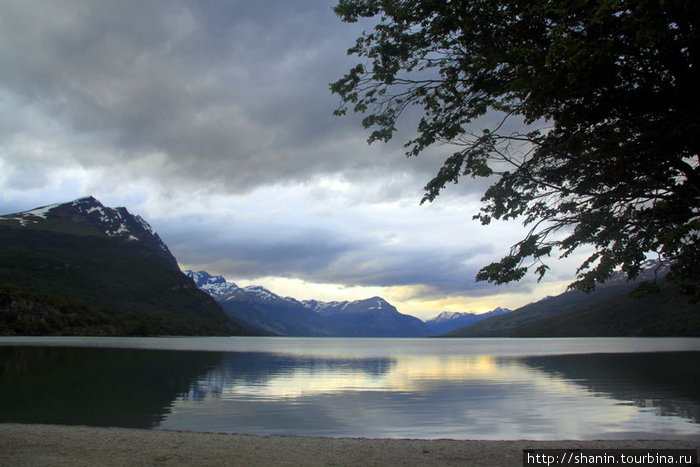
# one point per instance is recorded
(61, 445)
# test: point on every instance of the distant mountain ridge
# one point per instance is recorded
(372, 317)
(81, 268)
(450, 320)
(220, 289)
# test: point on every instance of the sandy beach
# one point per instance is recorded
(53, 445)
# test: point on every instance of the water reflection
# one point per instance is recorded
(476, 397)
(638, 395)
(98, 387)
(274, 376)
(666, 383)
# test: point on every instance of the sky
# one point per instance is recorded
(214, 121)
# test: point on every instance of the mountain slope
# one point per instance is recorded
(503, 326)
(88, 217)
(607, 311)
(103, 259)
(664, 314)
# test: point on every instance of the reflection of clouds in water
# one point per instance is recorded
(478, 397)
(271, 376)
(299, 377)
(413, 373)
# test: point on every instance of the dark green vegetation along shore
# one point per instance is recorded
(83, 269)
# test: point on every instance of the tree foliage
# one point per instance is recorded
(608, 93)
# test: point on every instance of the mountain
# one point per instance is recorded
(666, 313)
(373, 317)
(88, 217)
(83, 268)
(612, 309)
(216, 286)
(450, 320)
(261, 308)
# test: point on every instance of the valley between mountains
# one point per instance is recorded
(80, 268)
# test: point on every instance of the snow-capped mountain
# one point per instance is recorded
(89, 216)
(222, 290)
(450, 320)
(216, 286)
(261, 293)
(260, 307)
(377, 304)
(288, 316)
(371, 317)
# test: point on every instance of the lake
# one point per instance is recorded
(643, 388)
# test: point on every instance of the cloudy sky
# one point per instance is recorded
(213, 120)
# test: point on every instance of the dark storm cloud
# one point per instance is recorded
(321, 254)
(228, 95)
(232, 93)
(255, 249)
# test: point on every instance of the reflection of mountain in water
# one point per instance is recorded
(257, 368)
(93, 386)
(667, 382)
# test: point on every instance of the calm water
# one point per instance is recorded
(415, 388)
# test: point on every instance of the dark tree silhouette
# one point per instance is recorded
(608, 91)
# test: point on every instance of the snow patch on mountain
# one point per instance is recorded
(120, 223)
(113, 221)
(374, 304)
(448, 316)
(216, 286)
(319, 307)
(145, 225)
(222, 290)
(261, 292)
(42, 211)
(34, 216)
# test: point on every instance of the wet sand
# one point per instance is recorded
(54, 445)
